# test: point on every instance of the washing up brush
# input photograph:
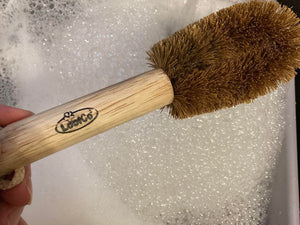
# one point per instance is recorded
(227, 58)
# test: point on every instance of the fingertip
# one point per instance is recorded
(10, 114)
(17, 196)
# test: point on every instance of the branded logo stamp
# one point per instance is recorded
(76, 120)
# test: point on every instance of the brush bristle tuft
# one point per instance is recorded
(229, 57)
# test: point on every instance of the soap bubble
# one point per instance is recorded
(215, 168)
(7, 86)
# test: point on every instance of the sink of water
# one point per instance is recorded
(232, 166)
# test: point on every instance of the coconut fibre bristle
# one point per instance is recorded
(229, 57)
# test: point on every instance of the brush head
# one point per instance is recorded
(229, 57)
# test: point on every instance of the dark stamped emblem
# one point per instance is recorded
(76, 120)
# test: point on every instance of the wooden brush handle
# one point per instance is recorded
(40, 135)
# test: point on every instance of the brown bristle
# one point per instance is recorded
(229, 57)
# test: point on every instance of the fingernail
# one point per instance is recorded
(14, 217)
(28, 184)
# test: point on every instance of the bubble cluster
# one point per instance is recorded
(3, 4)
(7, 86)
(215, 168)
(45, 15)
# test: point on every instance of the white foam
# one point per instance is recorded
(212, 169)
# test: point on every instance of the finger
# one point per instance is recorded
(11, 114)
(22, 222)
(21, 194)
(5, 209)
(10, 215)
(14, 216)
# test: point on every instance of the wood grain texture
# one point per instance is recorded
(36, 137)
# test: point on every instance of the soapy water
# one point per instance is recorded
(215, 168)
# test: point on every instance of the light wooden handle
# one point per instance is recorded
(40, 135)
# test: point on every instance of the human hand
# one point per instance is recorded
(12, 201)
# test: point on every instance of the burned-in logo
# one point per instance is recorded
(76, 120)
